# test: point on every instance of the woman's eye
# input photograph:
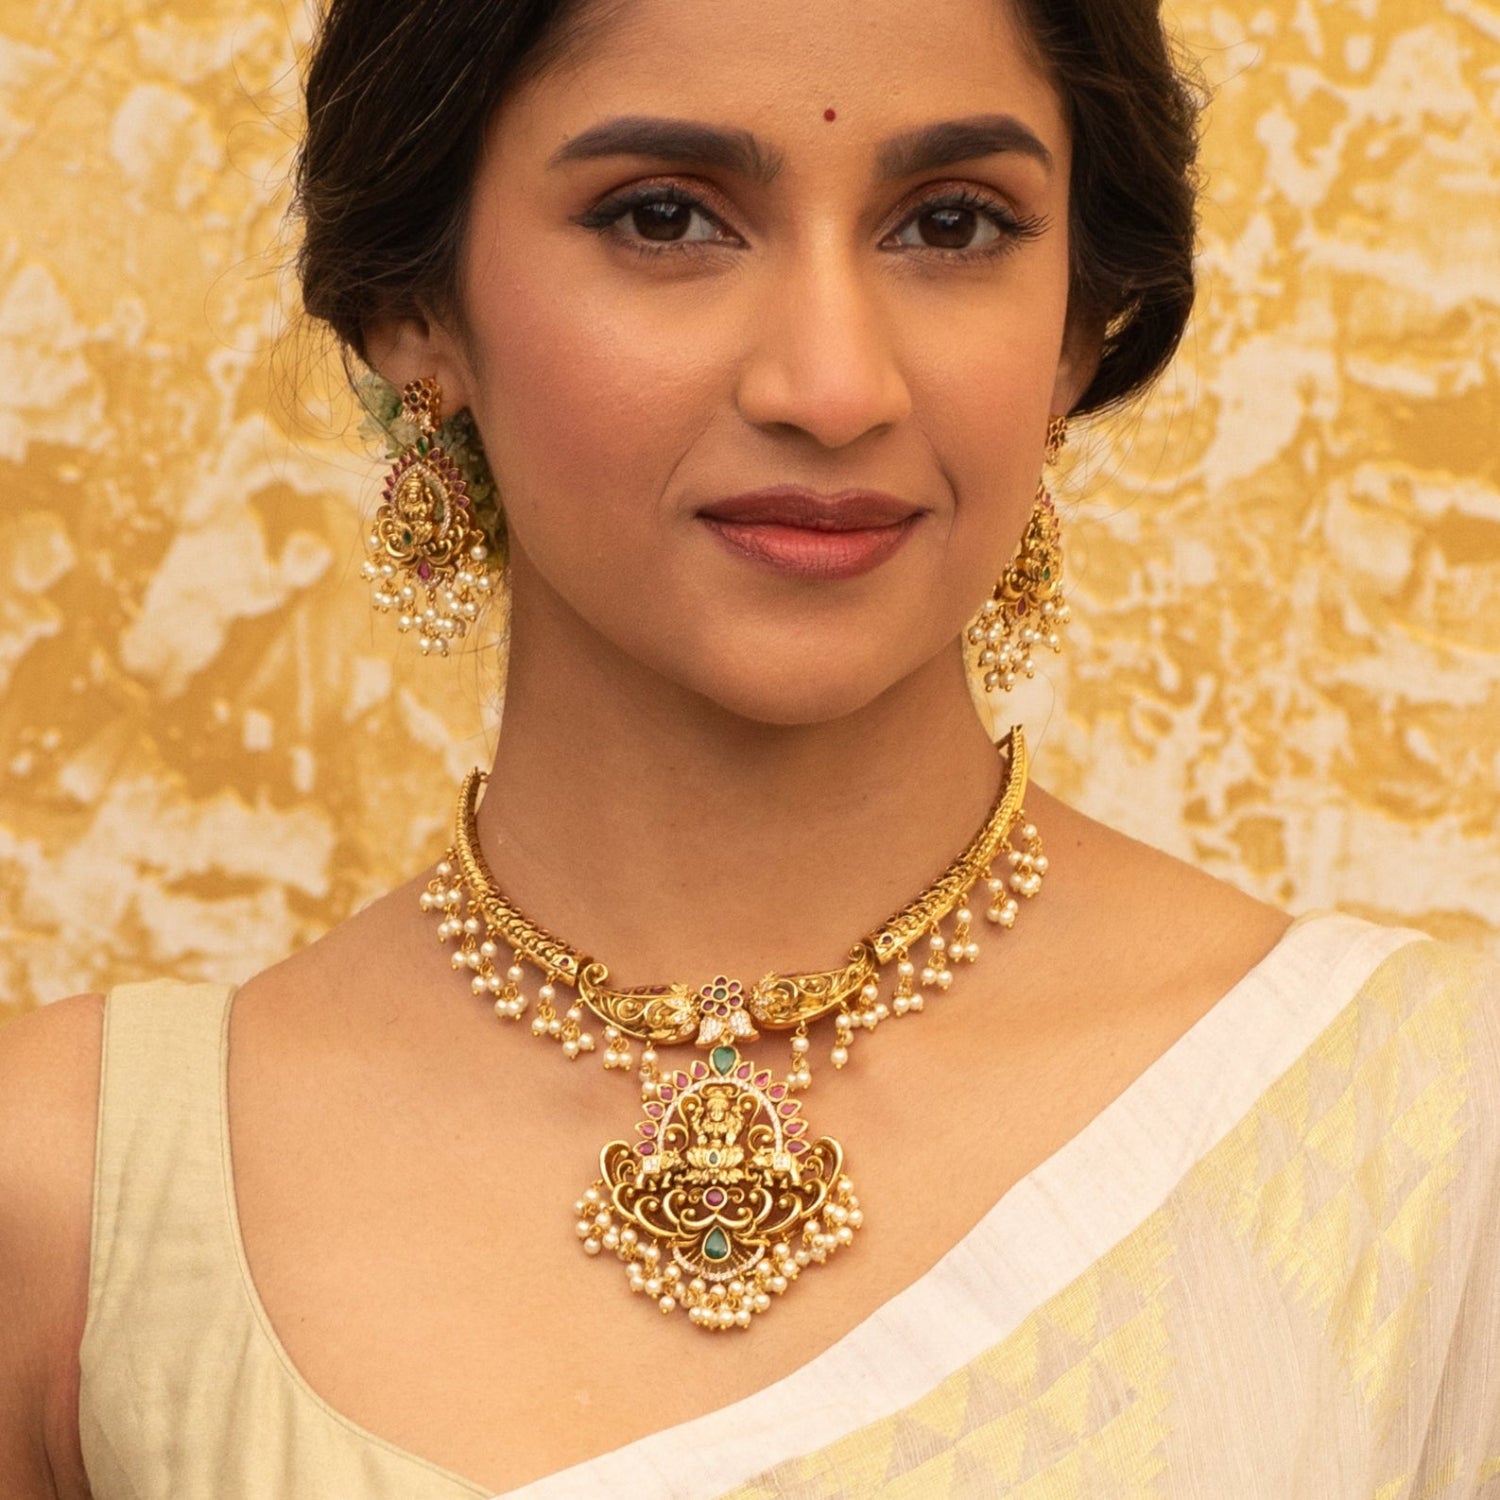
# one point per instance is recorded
(657, 219)
(963, 224)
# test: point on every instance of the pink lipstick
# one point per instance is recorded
(807, 535)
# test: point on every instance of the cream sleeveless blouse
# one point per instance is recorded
(1270, 1268)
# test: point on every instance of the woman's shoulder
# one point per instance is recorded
(49, 1092)
(1159, 929)
(49, 1095)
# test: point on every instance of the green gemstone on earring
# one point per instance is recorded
(723, 1059)
(716, 1246)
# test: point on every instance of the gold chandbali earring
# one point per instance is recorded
(726, 1198)
(1025, 610)
(428, 558)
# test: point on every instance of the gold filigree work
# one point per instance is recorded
(725, 1200)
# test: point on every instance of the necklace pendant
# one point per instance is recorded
(724, 1201)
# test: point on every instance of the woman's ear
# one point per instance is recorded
(1083, 347)
(417, 347)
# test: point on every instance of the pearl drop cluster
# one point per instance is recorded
(1027, 865)
(734, 1300)
(442, 611)
(461, 920)
(1006, 645)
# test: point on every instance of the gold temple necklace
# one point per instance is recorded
(725, 1199)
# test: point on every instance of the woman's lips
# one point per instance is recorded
(810, 553)
(808, 535)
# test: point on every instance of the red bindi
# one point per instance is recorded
(829, 114)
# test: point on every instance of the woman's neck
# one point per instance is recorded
(673, 839)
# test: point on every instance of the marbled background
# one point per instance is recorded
(1286, 567)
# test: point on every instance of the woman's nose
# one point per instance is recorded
(822, 358)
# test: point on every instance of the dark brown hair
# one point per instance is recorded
(399, 96)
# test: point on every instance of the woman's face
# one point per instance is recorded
(748, 245)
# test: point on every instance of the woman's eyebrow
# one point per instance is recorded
(683, 141)
(925, 149)
(931, 147)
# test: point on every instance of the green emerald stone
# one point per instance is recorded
(716, 1246)
(722, 1058)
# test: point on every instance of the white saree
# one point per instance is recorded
(1270, 1268)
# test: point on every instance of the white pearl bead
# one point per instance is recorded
(591, 1247)
(800, 1044)
(839, 1056)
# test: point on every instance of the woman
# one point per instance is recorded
(764, 316)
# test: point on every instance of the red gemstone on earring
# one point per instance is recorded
(424, 570)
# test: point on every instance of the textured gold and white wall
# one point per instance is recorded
(1286, 662)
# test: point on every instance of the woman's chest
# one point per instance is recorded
(410, 1226)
